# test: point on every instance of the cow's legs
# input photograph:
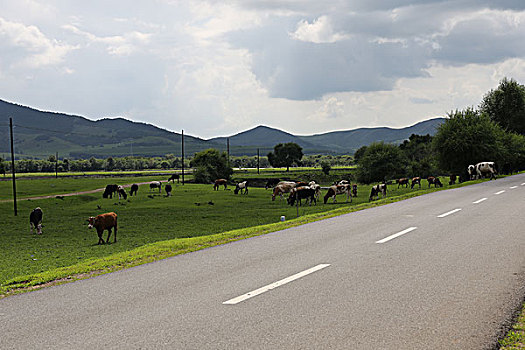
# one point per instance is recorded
(109, 234)
(100, 239)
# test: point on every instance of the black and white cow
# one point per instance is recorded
(484, 169)
(376, 190)
(155, 184)
(334, 190)
(122, 193)
(35, 220)
(242, 187)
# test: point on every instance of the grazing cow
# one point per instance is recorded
(155, 184)
(281, 188)
(220, 182)
(299, 193)
(35, 220)
(134, 189)
(109, 191)
(354, 190)
(471, 169)
(452, 180)
(434, 181)
(122, 193)
(104, 222)
(168, 189)
(402, 182)
(241, 186)
(271, 183)
(334, 190)
(173, 178)
(374, 192)
(416, 180)
(342, 182)
(301, 184)
(316, 188)
(486, 168)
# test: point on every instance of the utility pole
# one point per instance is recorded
(257, 161)
(228, 150)
(56, 166)
(182, 155)
(13, 164)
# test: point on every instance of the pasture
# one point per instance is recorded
(193, 210)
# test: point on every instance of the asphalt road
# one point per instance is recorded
(417, 274)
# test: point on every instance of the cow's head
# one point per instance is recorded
(91, 221)
(471, 169)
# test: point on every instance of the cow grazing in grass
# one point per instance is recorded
(282, 188)
(220, 182)
(104, 222)
(174, 177)
(168, 189)
(35, 220)
(271, 183)
(471, 170)
(122, 193)
(242, 187)
(298, 193)
(416, 181)
(484, 169)
(134, 189)
(109, 191)
(376, 190)
(316, 187)
(154, 185)
(434, 181)
(335, 190)
(452, 180)
(402, 182)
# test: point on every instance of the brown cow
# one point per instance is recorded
(434, 181)
(452, 180)
(402, 182)
(416, 180)
(220, 182)
(104, 222)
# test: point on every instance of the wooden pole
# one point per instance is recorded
(258, 161)
(182, 155)
(228, 150)
(13, 165)
(56, 166)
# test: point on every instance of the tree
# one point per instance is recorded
(210, 165)
(380, 162)
(421, 159)
(325, 167)
(2, 166)
(359, 153)
(285, 155)
(467, 137)
(506, 105)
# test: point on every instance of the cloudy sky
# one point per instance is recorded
(216, 68)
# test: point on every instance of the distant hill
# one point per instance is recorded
(40, 134)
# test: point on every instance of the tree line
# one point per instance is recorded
(492, 132)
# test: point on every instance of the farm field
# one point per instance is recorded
(194, 210)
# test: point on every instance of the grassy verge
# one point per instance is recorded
(515, 338)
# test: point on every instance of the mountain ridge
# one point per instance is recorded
(39, 134)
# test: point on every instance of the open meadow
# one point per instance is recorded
(193, 210)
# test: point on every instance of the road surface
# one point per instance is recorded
(440, 271)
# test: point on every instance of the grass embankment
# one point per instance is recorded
(151, 227)
(515, 338)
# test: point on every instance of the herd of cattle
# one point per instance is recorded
(296, 190)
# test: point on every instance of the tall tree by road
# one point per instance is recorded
(211, 164)
(285, 155)
(506, 105)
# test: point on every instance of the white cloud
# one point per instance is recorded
(319, 31)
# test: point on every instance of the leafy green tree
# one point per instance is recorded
(506, 105)
(380, 162)
(467, 137)
(420, 155)
(211, 164)
(285, 155)
(359, 153)
(2, 166)
(325, 167)
(110, 163)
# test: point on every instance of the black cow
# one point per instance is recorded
(302, 193)
(134, 189)
(109, 191)
(168, 189)
(173, 178)
(35, 220)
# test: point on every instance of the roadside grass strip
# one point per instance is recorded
(384, 240)
(515, 338)
(449, 213)
(274, 285)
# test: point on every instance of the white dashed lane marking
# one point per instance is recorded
(479, 200)
(396, 235)
(449, 212)
(274, 285)
(513, 187)
(500, 192)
